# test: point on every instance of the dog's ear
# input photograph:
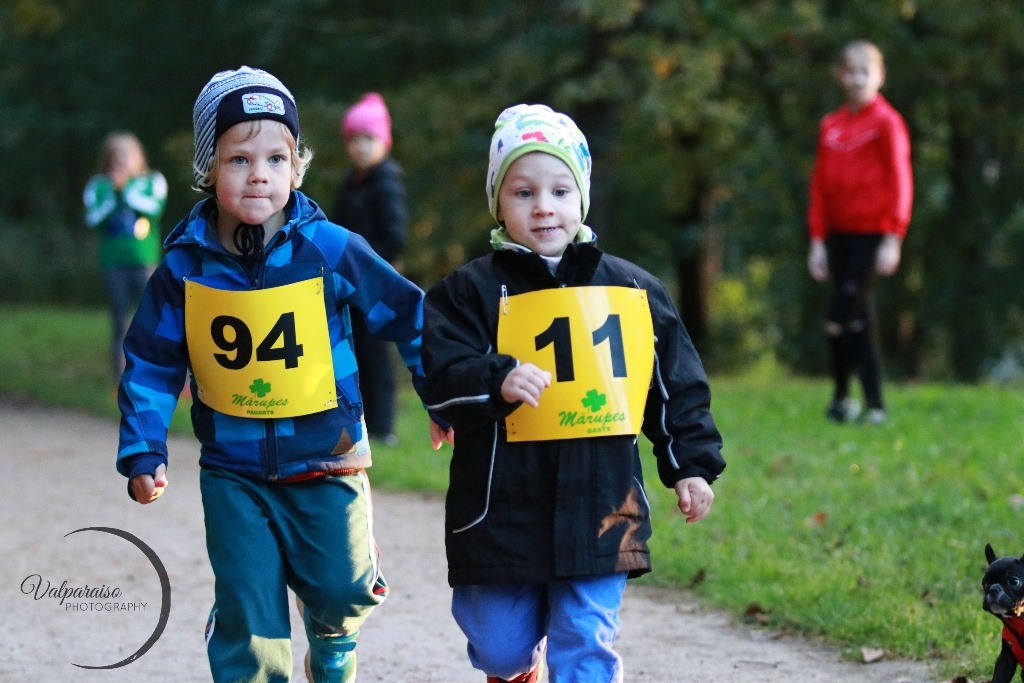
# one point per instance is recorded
(990, 554)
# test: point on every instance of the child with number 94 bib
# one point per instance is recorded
(548, 357)
(251, 299)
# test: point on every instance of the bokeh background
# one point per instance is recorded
(701, 116)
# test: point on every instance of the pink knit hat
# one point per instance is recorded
(368, 116)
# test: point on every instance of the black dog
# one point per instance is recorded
(1003, 585)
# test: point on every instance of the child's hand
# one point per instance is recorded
(695, 498)
(887, 258)
(148, 488)
(817, 261)
(439, 436)
(525, 383)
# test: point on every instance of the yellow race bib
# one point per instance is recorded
(598, 345)
(261, 353)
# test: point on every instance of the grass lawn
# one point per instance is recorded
(871, 536)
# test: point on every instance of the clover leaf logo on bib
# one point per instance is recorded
(594, 400)
(259, 387)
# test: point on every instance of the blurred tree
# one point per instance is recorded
(701, 115)
(964, 96)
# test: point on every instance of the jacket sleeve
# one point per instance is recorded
(898, 162)
(156, 363)
(463, 371)
(391, 215)
(816, 217)
(677, 418)
(391, 304)
(99, 199)
(147, 194)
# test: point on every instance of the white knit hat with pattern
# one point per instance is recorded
(536, 128)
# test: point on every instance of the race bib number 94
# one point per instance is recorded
(261, 353)
(598, 345)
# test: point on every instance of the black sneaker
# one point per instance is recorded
(386, 438)
(844, 410)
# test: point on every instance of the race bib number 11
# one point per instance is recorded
(598, 345)
(261, 353)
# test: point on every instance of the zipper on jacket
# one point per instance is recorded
(268, 449)
(256, 277)
(271, 466)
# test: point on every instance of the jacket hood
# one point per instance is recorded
(500, 239)
(193, 229)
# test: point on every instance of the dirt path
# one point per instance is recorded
(57, 476)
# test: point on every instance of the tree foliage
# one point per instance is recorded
(701, 115)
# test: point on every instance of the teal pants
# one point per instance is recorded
(264, 537)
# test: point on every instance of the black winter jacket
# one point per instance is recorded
(374, 207)
(530, 512)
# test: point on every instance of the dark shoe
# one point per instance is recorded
(844, 410)
(533, 676)
(386, 438)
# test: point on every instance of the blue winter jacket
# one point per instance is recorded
(157, 355)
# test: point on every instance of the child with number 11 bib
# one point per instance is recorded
(252, 299)
(548, 357)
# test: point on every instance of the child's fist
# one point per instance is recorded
(817, 261)
(695, 498)
(525, 383)
(887, 258)
(147, 488)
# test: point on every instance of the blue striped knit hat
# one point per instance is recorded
(243, 94)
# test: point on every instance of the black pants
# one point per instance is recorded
(851, 321)
(376, 378)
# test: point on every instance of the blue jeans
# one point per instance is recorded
(124, 290)
(264, 537)
(507, 626)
